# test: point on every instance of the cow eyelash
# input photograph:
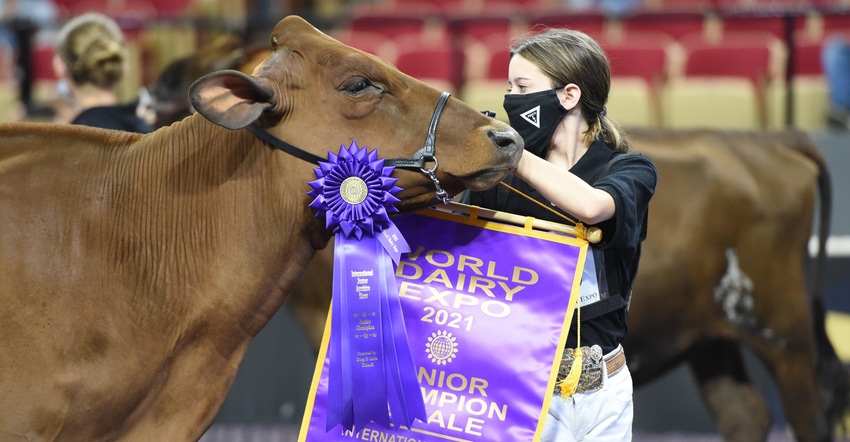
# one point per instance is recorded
(357, 85)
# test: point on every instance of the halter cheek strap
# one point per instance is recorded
(283, 145)
(423, 156)
(427, 152)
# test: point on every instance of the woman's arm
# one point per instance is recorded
(565, 190)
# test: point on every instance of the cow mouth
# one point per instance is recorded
(422, 197)
(484, 179)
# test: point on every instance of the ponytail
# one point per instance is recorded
(612, 134)
(601, 126)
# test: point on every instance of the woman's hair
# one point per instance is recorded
(92, 47)
(569, 56)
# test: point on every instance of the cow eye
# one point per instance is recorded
(357, 85)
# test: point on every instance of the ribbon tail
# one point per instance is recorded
(340, 407)
(369, 383)
(405, 399)
(393, 242)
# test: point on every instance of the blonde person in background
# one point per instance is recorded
(576, 162)
(91, 57)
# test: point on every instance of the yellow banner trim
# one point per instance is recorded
(478, 216)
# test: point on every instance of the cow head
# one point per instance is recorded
(317, 94)
(168, 91)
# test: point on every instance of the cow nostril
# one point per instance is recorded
(505, 139)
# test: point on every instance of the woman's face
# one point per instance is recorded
(524, 77)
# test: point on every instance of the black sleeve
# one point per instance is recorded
(121, 117)
(631, 182)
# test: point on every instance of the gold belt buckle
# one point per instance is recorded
(592, 373)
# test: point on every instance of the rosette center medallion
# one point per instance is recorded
(353, 190)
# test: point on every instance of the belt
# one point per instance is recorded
(591, 374)
(615, 362)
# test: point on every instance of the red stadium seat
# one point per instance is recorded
(807, 56)
(370, 42)
(485, 40)
(171, 8)
(512, 6)
(809, 89)
(439, 65)
(818, 25)
(486, 76)
(639, 67)
(777, 24)
(679, 5)
(42, 74)
(129, 14)
(442, 7)
(488, 59)
(468, 30)
(732, 82)
(138, 9)
(75, 8)
(589, 22)
(757, 56)
(42, 63)
(452, 8)
(675, 24)
(835, 22)
(391, 25)
(765, 5)
(751, 63)
(7, 63)
(642, 55)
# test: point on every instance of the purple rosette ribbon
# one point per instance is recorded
(371, 376)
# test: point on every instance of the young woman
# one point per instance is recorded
(576, 163)
(90, 60)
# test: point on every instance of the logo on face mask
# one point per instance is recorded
(532, 116)
(535, 116)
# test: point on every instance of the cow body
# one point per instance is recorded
(122, 287)
(723, 267)
(136, 269)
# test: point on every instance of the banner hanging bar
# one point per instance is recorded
(592, 235)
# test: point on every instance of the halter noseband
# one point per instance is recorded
(418, 161)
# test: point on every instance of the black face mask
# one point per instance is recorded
(535, 116)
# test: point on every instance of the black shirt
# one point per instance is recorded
(120, 117)
(630, 180)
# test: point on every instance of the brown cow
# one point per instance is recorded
(136, 269)
(724, 267)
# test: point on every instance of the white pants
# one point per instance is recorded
(600, 416)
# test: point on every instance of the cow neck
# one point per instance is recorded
(419, 160)
(285, 221)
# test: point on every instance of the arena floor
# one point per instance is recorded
(248, 433)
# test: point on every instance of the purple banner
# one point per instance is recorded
(486, 308)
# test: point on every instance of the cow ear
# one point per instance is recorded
(230, 98)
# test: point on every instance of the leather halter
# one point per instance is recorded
(418, 161)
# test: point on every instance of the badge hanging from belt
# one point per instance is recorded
(593, 288)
